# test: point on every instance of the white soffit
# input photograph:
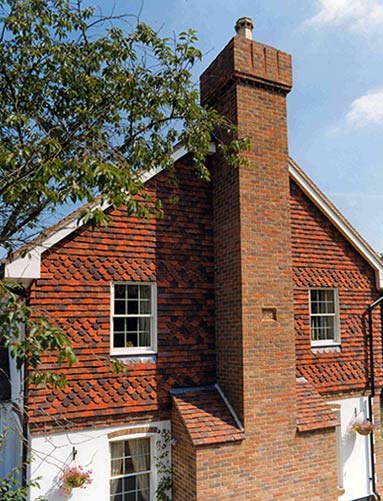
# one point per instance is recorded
(336, 218)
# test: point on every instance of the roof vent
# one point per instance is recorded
(244, 27)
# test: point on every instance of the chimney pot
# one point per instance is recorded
(244, 27)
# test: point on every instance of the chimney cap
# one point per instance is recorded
(244, 27)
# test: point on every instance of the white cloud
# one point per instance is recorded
(360, 15)
(366, 110)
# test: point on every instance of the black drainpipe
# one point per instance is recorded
(25, 435)
(371, 307)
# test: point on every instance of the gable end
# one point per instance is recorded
(336, 218)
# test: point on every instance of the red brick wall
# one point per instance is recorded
(248, 83)
(322, 257)
(74, 291)
(267, 302)
(306, 472)
(183, 462)
(228, 278)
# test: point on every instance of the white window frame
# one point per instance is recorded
(135, 350)
(153, 468)
(327, 342)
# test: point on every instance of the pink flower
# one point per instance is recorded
(74, 477)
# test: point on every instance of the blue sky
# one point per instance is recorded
(335, 110)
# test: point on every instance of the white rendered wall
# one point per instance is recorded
(355, 454)
(51, 453)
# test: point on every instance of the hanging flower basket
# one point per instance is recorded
(363, 427)
(74, 477)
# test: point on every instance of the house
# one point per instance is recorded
(247, 318)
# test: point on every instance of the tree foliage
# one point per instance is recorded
(86, 107)
(87, 104)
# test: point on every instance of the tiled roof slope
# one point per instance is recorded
(313, 413)
(335, 375)
(206, 417)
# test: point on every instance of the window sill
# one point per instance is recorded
(133, 351)
(329, 348)
(135, 358)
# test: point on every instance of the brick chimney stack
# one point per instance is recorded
(254, 324)
(248, 83)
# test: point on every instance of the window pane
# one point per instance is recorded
(131, 340)
(144, 339)
(145, 306)
(144, 332)
(131, 496)
(120, 291)
(132, 324)
(119, 325)
(314, 295)
(315, 308)
(119, 307)
(145, 291)
(329, 328)
(119, 341)
(143, 482)
(132, 307)
(130, 483)
(128, 465)
(116, 486)
(133, 291)
(117, 450)
(144, 324)
(143, 496)
(116, 465)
